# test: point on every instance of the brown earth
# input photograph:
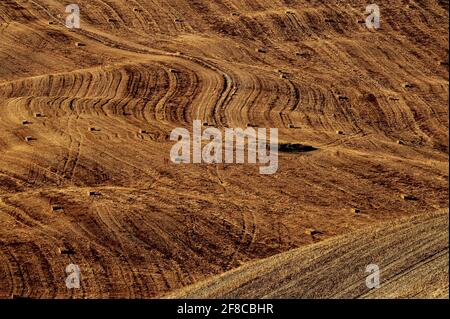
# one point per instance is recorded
(157, 227)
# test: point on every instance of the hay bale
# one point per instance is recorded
(137, 10)
(57, 208)
(260, 50)
(304, 54)
(94, 194)
(143, 131)
(289, 12)
(25, 122)
(39, 115)
(80, 44)
(355, 211)
(339, 132)
(342, 97)
(174, 71)
(408, 85)
(111, 20)
(408, 197)
(235, 14)
(291, 126)
(400, 142)
(93, 129)
(283, 76)
(65, 251)
(51, 22)
(178, 20)
(29, 138)
(312, 232)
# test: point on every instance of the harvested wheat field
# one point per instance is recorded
(86, 178)
(412, 252)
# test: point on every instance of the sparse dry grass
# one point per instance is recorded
(412, 253)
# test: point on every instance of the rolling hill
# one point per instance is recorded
(86, 116)
(412, 255)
